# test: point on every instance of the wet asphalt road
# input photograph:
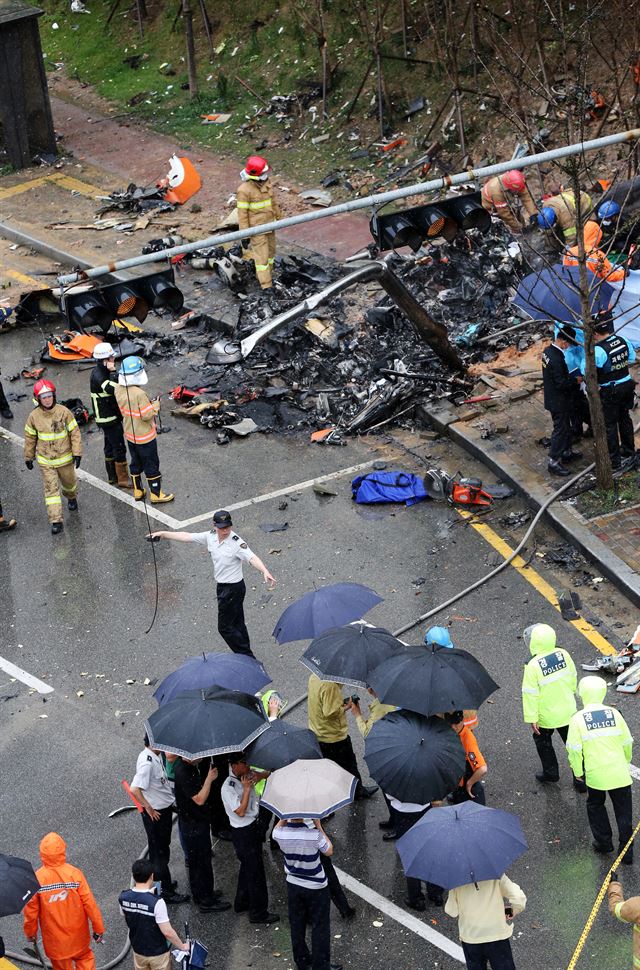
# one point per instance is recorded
(74, 611)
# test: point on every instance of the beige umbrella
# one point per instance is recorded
(308, 789)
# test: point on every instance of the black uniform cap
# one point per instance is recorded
(222, 518)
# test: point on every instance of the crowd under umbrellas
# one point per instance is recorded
(211, 706)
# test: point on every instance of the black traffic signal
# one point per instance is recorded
(436, 220)
(88, 306)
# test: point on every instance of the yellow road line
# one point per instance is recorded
(56, 178)
(27, 280)
(22, 187)
(541, 585)
(75, 185)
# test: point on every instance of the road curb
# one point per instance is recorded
(494, 454)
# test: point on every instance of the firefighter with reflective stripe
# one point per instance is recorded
(562, 215)
(548, 696)
(138, 416)
(627, 911)
(256, 207)
(499, 195)
(52, 436)
(63, 906)
(617, 390)
(107, 415)
(599, 746)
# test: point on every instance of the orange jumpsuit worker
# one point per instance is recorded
(476, 767)
(256, 207)
(500, 192)
(63, 906)
(597, 261)
(52, 436)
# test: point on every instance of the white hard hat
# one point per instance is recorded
(103, 351)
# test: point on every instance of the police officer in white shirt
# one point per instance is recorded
(153, 790)
(242, 805)
(228, 551)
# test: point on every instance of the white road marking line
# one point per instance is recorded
(179, 525)
(25, 677)
(281, 491)
(109, 489)
(390, 909)
(634, 772)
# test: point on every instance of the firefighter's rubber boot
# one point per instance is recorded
(73, 504)
(122, 475)
(56, 528)
(160, 497)
(7, 524)
(156, 494)
(138, 491)
(111, 466)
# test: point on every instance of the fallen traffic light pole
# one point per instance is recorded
(433, 185)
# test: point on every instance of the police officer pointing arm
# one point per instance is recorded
(228, 551)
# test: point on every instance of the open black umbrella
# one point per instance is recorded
(281, 745)
(413, 758)
(18, 884)
(202, 723)
(347, 654)
(431, 680)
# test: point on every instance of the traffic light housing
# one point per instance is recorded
(436, 220)
(88, 306)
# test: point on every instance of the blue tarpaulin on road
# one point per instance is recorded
(388, 487)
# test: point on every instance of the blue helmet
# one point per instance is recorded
(547, 217)
(132, 372)
(608, 211)
(438, 635)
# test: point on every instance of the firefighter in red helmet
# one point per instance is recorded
(499, 195)
(256, 206)
(52, 437)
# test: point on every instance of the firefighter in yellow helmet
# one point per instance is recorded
(256, 207)
(52, 437)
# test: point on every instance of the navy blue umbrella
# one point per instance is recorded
(554, 294)
(414, 758)
(283, 744)
(202, 723)
(347, 654)
(18, 884)
(324, 608)
(233, 671)
(461, 844)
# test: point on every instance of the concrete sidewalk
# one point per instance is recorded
(506, 436)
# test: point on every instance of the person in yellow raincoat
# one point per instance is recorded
(256, 207)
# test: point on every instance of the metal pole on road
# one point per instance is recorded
(447, 181)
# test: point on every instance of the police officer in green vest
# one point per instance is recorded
(599, 746)
(548, 697)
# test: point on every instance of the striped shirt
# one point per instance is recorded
(301, 847)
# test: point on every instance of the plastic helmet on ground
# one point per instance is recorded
(513, 180)
(132, 372)
(256, 167)
(103, 351)
(547, 217)
(439, 636)
(608, 211)
(43, 387)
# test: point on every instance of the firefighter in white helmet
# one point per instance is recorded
(107, 415)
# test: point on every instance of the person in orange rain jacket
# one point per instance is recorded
(63, 906)
(597, 262)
